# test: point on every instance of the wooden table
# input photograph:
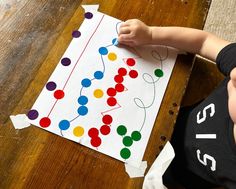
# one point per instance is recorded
(33, 37)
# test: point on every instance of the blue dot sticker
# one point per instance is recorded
(103, 51)
(82, 110)
(98, 75)
(115, 41)
(86, 82)
(82, 100)
(64, 124)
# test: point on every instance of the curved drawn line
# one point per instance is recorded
(117, 27)
(103, 63)
(61, 133)
(144, 109)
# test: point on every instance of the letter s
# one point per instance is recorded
(211, 107)
(205, 158)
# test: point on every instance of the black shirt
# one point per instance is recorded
(203, 138)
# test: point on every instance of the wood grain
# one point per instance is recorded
(34, 36)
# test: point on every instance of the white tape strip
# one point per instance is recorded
(90, 7)
(136, 171)
(153, 179)
(20, 121)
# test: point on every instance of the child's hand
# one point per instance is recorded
(134, 32)
(232, 95)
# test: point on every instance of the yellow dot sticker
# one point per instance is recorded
(112, 56)
(98, 93)
(78, 131)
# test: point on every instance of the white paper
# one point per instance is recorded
(98, 83)
(153, 179)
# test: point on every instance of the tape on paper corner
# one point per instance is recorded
(87, 8)
(20, 121)
(135, 172)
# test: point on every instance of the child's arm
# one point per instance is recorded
(134, 32)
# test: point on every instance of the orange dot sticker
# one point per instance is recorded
(78, 131)
(112, 56)
(98, 93)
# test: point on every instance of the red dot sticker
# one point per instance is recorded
(93, 132)
(59, 94)
(122, 71)
(105, 129)
(130, 62)
(111, 92)
(107, 119)
(119, 87)
(133, 73)
(118, 79)
(45, 122)
(96, 141)
(111, 101)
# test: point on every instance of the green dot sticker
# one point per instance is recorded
(136, 135)
(121, 130)
(125, 153)
(127, 141)
(158, 73)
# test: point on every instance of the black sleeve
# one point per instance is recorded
(226, 59)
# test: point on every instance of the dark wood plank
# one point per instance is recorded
(28, 32)
(31, 46)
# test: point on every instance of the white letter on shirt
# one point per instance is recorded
(205, 158)
(212, 108)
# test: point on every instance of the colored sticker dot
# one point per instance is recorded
(96, 141)
(136, 135)
(78, 131)
(111, 92)
(122, 71)
(93, 132)
(82, 110)
(158, 73)
(59, 94)
(127, 141)
(118, 79)
(119, 87)
(45, 122)
(65, 61)
(133, 73)
(107, 119)
(130, 62)
(33, 114)
(76, 34)
(82, 100)
(98, 75)
(51, 86)
(103, 50)
(64, 124)
(121, 130)
(125, 153)
(105, 129)
(98, 93)
(88, 15)
(111, 101)
(86, 82)
(115, 41)
(112, 56)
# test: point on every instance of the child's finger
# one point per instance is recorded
(124, 30)
(124, 37)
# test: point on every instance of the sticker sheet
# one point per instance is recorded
(104, 95)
